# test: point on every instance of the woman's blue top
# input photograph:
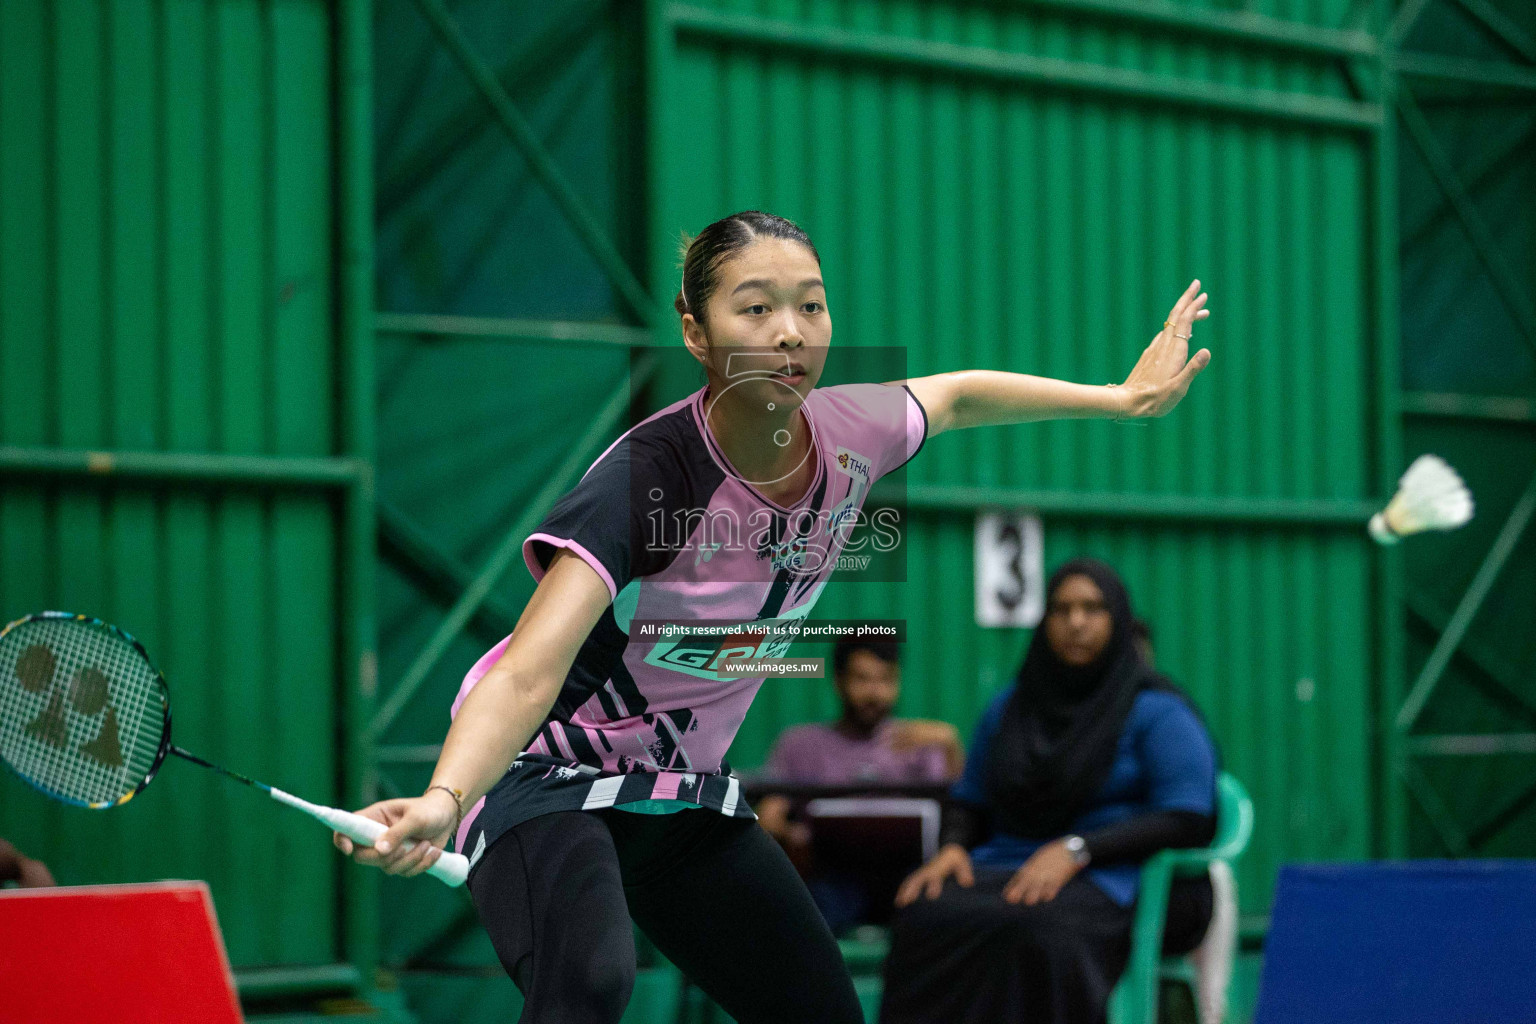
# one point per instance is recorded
(1165, 761)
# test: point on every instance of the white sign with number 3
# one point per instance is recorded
(1010, 570)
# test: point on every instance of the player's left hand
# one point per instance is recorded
(1041, 877)
(1165, 370)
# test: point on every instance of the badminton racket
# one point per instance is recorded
(85, 717)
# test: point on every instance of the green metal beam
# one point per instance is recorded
(1514, 292)
(1435, 810)
(1494, 675)
(1502, 26)
(1480, 408)
(1227, 26)
(1360, 81)
(414, 551)
(1471, 601)
(508, 551)
(410, 753)
(1403, 21)
(540, 162)
(580, 332)
(1347, 513)
(1464, 69)
(1357, 18)
(1053, 73)
(1495, 824)
(1473, 745)
(199, 467)
(1491, 164)
(515, 195)
(535, 62)
(270, 983)
(481, 972)
(1486, 101)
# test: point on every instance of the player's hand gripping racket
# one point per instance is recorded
(86, 717)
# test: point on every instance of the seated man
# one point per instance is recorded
(865, 744)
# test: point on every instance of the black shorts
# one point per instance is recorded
(716, 895)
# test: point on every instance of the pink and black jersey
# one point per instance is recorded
(679, 536)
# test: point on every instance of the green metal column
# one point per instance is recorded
(1392, 835)
(355, 326)
(660, 142)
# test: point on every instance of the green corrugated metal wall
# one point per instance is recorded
(1007, 185)
(167, 285)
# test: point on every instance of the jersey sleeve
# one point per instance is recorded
(605, 520)
(883, 422)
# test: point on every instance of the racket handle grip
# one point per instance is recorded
(450, 868)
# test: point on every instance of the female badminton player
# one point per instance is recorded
(730, 505)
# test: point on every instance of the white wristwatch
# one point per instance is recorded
(1078, 848)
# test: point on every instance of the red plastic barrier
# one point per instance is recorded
(114, 954)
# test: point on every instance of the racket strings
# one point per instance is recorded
(91, 732)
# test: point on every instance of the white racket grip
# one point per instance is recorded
(450, 868)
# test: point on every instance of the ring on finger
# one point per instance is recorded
(1183, 337)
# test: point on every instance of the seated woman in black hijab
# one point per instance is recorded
(1091, 763)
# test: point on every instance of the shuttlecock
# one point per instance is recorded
(1430, 496)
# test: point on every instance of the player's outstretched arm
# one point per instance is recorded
(1161, 377)
(496, 721)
